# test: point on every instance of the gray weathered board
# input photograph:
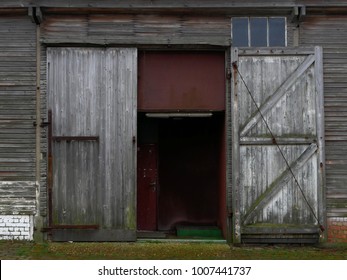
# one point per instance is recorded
(287, 87)
(92, 92)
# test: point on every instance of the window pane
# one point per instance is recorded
(240, 32)
(258, 32)
(277, 31)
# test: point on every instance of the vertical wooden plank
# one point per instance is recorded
(132, 97)
(70, 93)
(228, 146)
(121, 80)
(110, 141)
(320, 138)
(235, 150)
(38, 217)
(38, 104)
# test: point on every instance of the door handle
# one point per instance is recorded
(153, 186)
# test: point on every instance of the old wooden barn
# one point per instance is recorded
(122, 120)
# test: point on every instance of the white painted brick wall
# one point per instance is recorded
(16, 227)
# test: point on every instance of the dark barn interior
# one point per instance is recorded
(190, 157)
(190, 148)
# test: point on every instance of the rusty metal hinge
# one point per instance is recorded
(228, 74)
(43, 123)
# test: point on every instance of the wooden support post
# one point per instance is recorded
(320, 139)
(235, 151)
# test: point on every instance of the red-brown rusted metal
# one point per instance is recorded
(181, 81)
(147, 185)
(75, 138)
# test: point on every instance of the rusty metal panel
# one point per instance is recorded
(17, 98)
(285, 88)
(171, 81)
(328, 31)
(92, 96)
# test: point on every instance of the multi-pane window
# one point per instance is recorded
(259, 31)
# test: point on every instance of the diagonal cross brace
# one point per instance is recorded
(277, 95)
(278, 184)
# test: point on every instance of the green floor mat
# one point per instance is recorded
(199, 231)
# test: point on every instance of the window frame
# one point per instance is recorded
(267, 30)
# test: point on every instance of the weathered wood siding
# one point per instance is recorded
(286, 88)
(17, 98)
(18, 198)
(330, 33)
(92, 92)
(136, 29)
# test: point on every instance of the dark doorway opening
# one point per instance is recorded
(190, 182)
(181, 105)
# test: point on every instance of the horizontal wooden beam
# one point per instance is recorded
(279, 141)
(278, 51)
(171, 4)
(71, 227)
(130, 41)
(75, 138)
(275, 229)
(147, 3)
(281, 239)
(93, 235)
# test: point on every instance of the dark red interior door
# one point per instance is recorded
(147, 181)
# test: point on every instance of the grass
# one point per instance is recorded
(166, 251)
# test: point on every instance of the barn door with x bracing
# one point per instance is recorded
(278, 145)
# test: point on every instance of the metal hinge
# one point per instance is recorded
(228, 74)
(43, 123)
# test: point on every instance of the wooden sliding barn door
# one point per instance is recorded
(268, 205)
(92, 103)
